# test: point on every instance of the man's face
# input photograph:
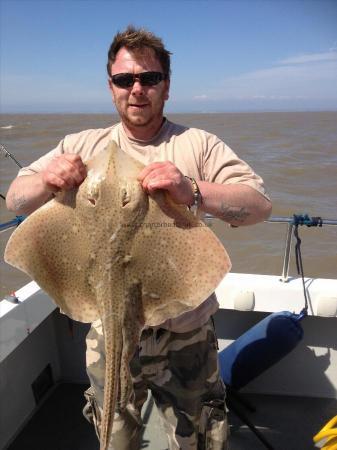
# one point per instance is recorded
(140, 107)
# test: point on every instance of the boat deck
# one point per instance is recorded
(287, 422)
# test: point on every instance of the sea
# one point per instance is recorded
(294, 152)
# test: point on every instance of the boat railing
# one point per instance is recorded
(290, 221)
(13, 223)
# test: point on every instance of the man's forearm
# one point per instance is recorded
(26, 194)
(237, 204)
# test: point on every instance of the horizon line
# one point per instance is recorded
(243, 111)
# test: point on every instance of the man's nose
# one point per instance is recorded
(137, 88)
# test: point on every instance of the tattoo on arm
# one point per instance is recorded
(230, 213)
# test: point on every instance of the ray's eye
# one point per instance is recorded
(93, 193)
(125, 196)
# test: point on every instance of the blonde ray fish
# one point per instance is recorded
(107, 250)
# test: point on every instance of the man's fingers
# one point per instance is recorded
(72, 157)
(64, 172)
(71, 172)
(159, 184)
(153, 176)
(77, 163)
(167, 176)
(68, 173)
(55, 183)
(150, 168)
(159, 171)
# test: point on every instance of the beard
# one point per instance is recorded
(142, 118)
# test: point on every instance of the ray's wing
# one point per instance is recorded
(178, 260)
(51, 247)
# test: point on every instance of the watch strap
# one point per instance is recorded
(197, 199)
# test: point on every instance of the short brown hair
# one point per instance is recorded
(138, 40)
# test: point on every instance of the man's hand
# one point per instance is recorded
(234, 203)
(64, 172)
(165, 175)
(29, 192)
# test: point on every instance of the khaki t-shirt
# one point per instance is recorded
(195, 152)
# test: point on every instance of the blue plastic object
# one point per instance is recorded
(11, 223)
(260, 347)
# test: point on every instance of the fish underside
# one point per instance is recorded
(109, 251)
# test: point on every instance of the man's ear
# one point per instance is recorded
(110, 86)
(167, 89)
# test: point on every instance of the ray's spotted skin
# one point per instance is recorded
(108, 251)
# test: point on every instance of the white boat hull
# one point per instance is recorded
(34, 334)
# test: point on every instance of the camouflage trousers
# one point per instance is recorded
(181, 371)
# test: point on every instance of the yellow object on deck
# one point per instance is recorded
(326, 439)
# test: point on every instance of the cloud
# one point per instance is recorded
(309, 77)
(201, 97)
(309, 58)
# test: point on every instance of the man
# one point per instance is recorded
(177, 360)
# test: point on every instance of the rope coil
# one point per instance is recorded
(305, 219)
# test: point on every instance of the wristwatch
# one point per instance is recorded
(196, 196)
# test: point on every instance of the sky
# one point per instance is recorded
(255, 55)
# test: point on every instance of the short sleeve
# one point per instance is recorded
(86, 143)
(223, 166)
(41, 163)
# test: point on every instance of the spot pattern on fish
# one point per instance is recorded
(107, 250)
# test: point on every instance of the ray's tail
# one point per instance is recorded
(113, 351)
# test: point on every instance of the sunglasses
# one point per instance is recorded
(126, 80)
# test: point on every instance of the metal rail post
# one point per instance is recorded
(286, 258)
